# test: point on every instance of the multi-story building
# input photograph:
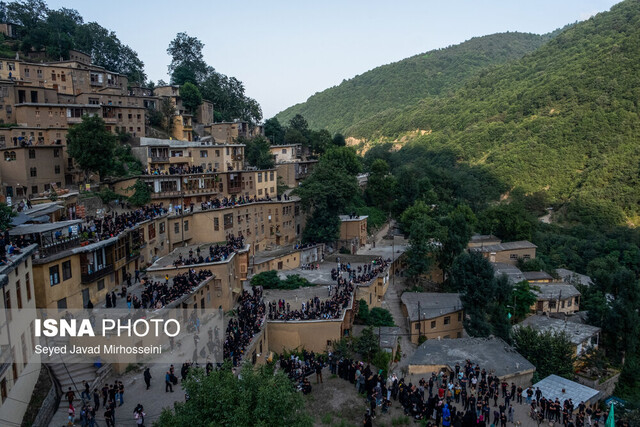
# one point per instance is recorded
(507, 252)
(159, 155)
(286, 153)
(433, 315)
(231, 131)
(182, 120)
(31, 170)
(293, 173)
(19, 365)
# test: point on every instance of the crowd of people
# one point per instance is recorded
(240, 330)
(178, 170)
(217, 252)
(339, 295)
(231, 201)
(157, 294)
(113, 224)
(109, 397)
(468, 396)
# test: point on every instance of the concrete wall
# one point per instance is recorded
(313, 335)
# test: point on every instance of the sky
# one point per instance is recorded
(285, 51)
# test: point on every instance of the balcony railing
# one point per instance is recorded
(87, 277)
(59, 246)
(156, 159)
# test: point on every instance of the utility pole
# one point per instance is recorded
(419, 321)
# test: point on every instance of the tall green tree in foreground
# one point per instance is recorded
(6, 213)
(92, 146)
(257, 397)
(258, 153)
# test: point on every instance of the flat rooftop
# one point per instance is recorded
(295, 297)
(492, 354)
(555, 291)
(577, 332)
(511, 271)
(428, 305)
(347, 218)
(552, 387)
(573, 277)
(268, 255)
(506, 246)
(322, 276)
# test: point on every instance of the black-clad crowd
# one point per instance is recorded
(158, 294)
(241, 329)
(217, 252)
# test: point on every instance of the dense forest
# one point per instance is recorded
(563, 120)
(394, 86)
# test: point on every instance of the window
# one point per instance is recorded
(447, 320)
(460, 317)
(66, 270)
(152, 231)
(27, 281)
(284, 151)
(433, 324)
(513, 256)
(162, 228)
(100, 284)
(259, 176)
(552, 304)
(186, 226)
(32, 153)
(62, 304)
(56, 169)
(569, 302)
(34, 189)
(176, 227)
(54, 275)
(19, 294)
(216, 224)
(56, 152)
(204, 153)
(7, 303)
(271, 176)
(33, 172)
(94, 101)
(417, 326)
(228, 221)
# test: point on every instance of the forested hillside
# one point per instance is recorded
(405, 82)
(563, 120)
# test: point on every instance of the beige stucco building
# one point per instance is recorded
(433, 315)
(20, 365)
(507, 252)
(353, 231)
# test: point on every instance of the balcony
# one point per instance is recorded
(59, 246)
(159, 159)
(179, 159)
(236, 157)
(87, 278)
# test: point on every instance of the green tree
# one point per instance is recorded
(91, 146)
(255, 394)
(423, 247)
(380, 317)
(294, 136)
(141, 194)
(509, 221)
(344, 158)
(363, 312)
(472, 275)
(367, 344)
(459, 224)
(325, 194)
(381, 186)
(186, 51)
(524, 299)
(168, 111)
(274, 131)
(191, 97)
(338, 140)
(550, 353)
(183, 74)
(258, 153)
(6, 214)
(319, 141)
(299, 123)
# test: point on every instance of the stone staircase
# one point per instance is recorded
(72, 375)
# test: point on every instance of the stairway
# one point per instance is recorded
(67, 375)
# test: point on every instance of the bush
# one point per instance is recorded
(363, 313)
(270, 280)
(421, 339)
(381, 360)
(380, 317)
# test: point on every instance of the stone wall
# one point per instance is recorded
(605, 387)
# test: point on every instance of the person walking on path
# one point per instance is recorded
(147, 377)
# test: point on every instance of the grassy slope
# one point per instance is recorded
(403, 83)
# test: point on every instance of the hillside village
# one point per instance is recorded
(196, 227)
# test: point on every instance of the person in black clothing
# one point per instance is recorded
(147, 377)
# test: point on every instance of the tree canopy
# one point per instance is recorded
(254, 397)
